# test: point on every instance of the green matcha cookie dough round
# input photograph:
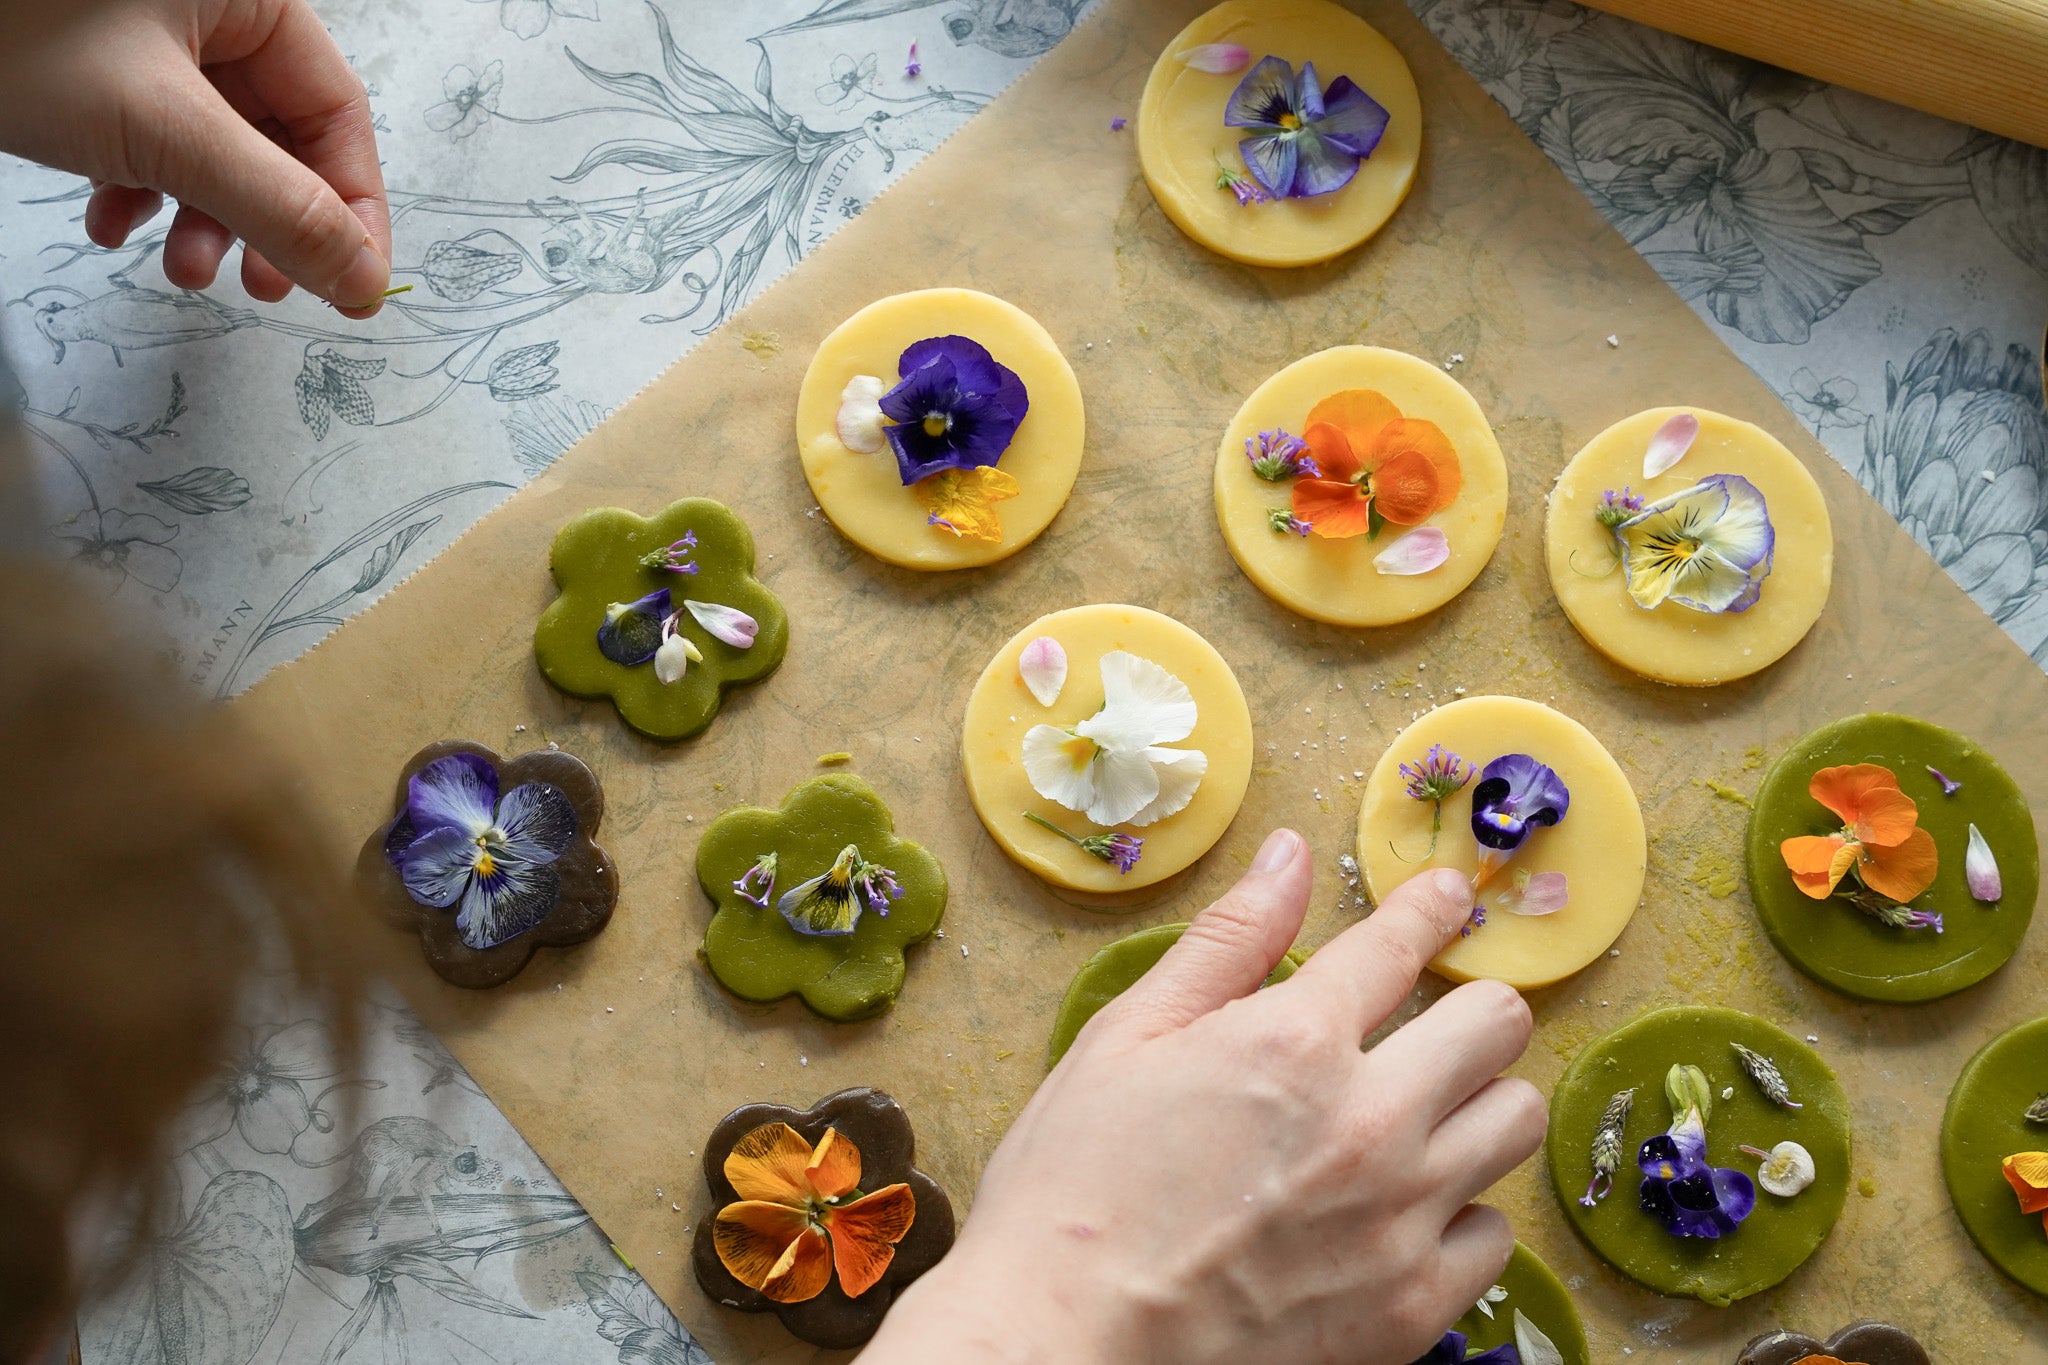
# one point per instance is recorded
(751, 858)
(1534, 1291)
(1843, 947)
(1113, 970)
(1782, 1231)
(1983, 1126)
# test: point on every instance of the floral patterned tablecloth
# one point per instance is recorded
(582, 189)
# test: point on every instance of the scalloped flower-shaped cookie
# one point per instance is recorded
(661, 614)
(818, 898)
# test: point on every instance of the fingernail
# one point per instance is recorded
(1455, 887)
(1277, 852)
(364, 282)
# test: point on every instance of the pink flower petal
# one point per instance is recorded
(1218, 59)
(1980, 870)
(1043, 666)
(1670, 443)
(729, 624)
(1546, 893)
(1421, 550)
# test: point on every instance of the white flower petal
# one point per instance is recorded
(674, 658)
(1421, 550)
(1787, 1170)
(1043, 666)
(860, 414)
(1180, 772)
(729, 624)
(1545, 893)
(1060, 767)
(1142, 705)
(1669, 445)
(1980, 869)
(1124, 784)
(1217, 59)
(1532, 1345)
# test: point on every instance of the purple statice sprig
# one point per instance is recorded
(674, 557)
(1615, 508)
(1439, 776)
(1247, 190)
(1277, 455)
(1887, 911)
(1283, 521)
(757, 883)
(877, 886)
(1111, 846)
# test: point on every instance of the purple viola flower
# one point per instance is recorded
(757, 883)
(1451, 1351)
(1515, 795)
(1283, 520)
(457, 843)
(1440, 775)
(631, 632)
(1247, 190)
(1615, 508)
(1111, 846)
(1690, 1196)
(674, 556)
(1277, 455)
(877, 886)
(1310, 141)
(957, 407)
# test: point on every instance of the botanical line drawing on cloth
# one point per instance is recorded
(1011, 28)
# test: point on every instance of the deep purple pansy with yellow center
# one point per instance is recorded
(956, 407)
(1306, 140)
(458, 843)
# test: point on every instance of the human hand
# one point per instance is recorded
(244, 111)
(1217, 1173)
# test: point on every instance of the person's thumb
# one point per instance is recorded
(1232, 946)
(202, 153)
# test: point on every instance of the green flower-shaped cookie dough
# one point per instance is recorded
(596, 561)
(752, 949)
(1113, 970)
(1534, 1291)
(1782, 1231)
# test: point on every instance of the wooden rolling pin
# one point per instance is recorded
(1981, 62)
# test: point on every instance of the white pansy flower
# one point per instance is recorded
(1111, 767)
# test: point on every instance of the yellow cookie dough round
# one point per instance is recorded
(865, 496)
(1599, 844)
(1334, 580)
(1181, 133)
(1671, 643)
(1002, 708)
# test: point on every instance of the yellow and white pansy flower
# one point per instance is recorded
(1112, 767)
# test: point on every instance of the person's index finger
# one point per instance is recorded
(1369, 969)
(299, 77)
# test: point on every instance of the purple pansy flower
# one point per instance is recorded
(631, 633)
(457, 841)
(957, 407)
(1451, 1351)
(1691, 1197)
(1515, 795)
(1311, 140)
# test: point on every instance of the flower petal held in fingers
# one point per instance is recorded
(956, 407)
(1308, 141)
(963, 501)
(729, 625)
(1421, 550)
(1980, 870)
(1043, 667)
(1708, 547)
(631, 631)
(794, 1226)
(1880, 839)
(1668, 446)
(1372, 462)
(860, 414)
(1111, 766)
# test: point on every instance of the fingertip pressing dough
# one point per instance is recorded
(1781, 1232)
(1599, 845)
(1672, 643)
(1984, 1125)
(1843, 947)
(1181, 133)
(1532, 1289)
(864, 494)
(1335, 580)
(1115, 969)
(1002, 708)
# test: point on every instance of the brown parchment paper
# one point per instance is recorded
(616, 1058)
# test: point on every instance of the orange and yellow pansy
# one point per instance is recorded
(963, 501)
(1370, 459)
(2027, 1173)
(1880, 840)
(801, 1216)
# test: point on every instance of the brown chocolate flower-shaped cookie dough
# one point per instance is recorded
(821, 1219)
(1866, 1343)
(489, 859)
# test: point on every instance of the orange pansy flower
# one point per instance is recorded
(793, 1226)
(2027, 1173)
(1371, 457)
(1881, 838)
